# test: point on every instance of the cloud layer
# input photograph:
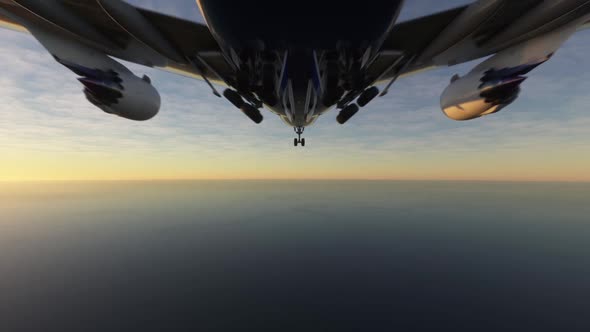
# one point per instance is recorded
(49, 131)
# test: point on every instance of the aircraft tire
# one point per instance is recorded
(367, 96)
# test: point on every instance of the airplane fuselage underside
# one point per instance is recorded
(299, 58)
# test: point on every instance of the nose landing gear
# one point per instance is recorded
(299, 131)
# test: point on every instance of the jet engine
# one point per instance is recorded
(129, 96)
(482, 93)
(118, 93)
(107, 84)
(495, 83)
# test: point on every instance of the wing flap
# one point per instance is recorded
(413, 36)
(189, 37)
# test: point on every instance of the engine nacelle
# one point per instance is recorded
(120, 93)
(127, 96)
(483, 93)
(495, 83)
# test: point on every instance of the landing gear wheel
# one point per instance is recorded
(347, 113)
(252, 112)
(367, 96)
(299, 140)
(234, 98)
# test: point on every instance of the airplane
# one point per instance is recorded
(299, 59)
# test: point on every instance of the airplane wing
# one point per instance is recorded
(126, 32)
(153, 39)
(463, 34)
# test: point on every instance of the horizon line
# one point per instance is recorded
(297, 180)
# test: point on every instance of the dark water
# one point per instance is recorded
(294, 256)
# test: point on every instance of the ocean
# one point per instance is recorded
(294, 256)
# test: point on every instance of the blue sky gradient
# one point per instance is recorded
(49, 130)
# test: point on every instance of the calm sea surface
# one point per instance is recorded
(294, 256)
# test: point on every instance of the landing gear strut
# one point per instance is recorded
(299, 140)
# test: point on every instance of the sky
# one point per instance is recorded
(48, 131)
